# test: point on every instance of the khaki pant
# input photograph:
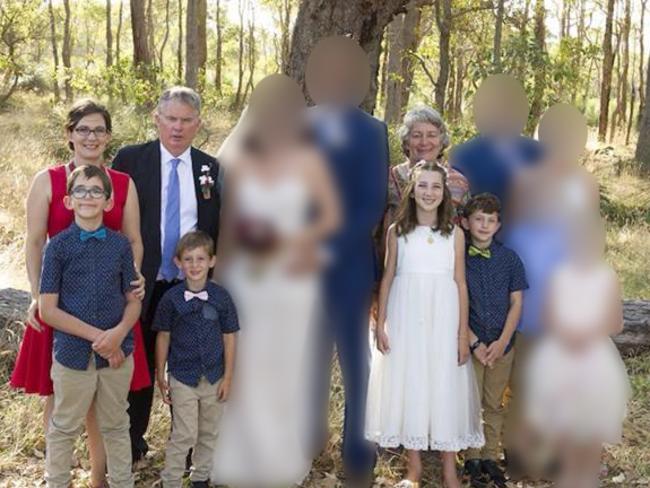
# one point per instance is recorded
(194, 424)
(73, 393)
(514, 418)
(492, 383)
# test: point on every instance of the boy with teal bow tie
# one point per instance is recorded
(85, 295)
(495, 279)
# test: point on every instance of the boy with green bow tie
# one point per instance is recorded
(495, 280)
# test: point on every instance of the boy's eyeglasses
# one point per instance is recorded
(95, 192)
(83, 131)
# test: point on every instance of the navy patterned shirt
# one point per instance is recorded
(196, 328)
(490, 281)
(91, 278)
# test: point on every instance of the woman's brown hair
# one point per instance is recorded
(407, 219)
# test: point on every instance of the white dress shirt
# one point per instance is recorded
(188, 205)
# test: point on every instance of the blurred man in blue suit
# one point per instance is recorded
(356, 146)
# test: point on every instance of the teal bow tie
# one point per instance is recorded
(477, 251)
(98, 234)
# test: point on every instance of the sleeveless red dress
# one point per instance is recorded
(32, 369)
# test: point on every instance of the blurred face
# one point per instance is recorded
(424, 142)
(196, 264)
(89, 138)
(177, 124)
(87, 199)
(429, 190)
(482, 226)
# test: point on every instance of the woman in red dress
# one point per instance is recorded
(88, 129)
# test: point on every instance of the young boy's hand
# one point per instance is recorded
(116, 359)
(108, 342)
(223, 390)
(495, 351)
(163, 386)
(480, 353)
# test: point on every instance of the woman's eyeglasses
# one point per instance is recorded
(83, 131)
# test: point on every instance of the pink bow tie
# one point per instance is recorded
(202, 295)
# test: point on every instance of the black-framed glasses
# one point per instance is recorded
(94, 192)
(83, 131)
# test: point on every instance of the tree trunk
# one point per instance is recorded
(641, 61)
(606, 79)
(523, 37)
(142, 57)
(626, 60)
(364, 20)
(250, 51)
(285, 32)
(540, 67)
(444, 22)
(403, 39)
(564, 20)
(179, 47)
(613, 123)
(66, 52)
(109, 36)
(383, 72)
(219, 60)
(163, 44)
(196, 50)
(461, 72)
(496, 56)
(643, 144)
(150, 33)
(118, 34)
(240, 59)
(55, 53)
(579, 39)
(631, 116)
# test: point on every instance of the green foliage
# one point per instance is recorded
(21, 22)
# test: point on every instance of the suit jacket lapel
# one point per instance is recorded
(155, 188)
(197, 162)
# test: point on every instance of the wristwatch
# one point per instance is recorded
(474, 345)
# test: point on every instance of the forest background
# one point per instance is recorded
(590, 53)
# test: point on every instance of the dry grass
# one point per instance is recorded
(31, 138)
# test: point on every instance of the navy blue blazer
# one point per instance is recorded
(359, 164)
(487, 169)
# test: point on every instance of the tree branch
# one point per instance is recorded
(423, 63)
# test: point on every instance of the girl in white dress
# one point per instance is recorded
(422, 392)
(577, 383)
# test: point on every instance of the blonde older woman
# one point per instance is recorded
(424, 135)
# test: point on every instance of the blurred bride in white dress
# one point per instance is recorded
(280, 204)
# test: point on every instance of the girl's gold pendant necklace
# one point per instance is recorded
(430, 238)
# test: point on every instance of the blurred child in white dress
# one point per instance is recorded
(577, 383)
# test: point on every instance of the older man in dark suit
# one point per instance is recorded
(177, 193)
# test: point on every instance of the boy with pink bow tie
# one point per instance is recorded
(196, 321)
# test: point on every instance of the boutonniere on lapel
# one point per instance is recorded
(206, 181)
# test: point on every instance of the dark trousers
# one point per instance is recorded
(346, 327)
(140, 401)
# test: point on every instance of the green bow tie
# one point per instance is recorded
(477, 251)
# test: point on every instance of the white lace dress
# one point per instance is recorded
(418, 396)
(263, 436)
